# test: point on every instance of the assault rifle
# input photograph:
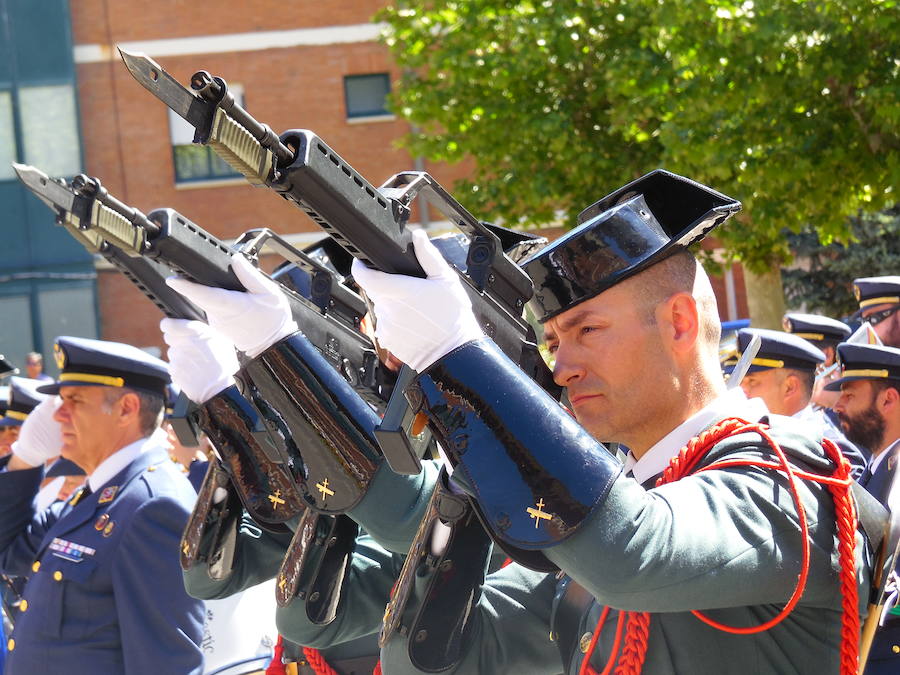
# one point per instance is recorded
(369, 222)
(147, 248)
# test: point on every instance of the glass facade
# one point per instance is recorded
(47, 280)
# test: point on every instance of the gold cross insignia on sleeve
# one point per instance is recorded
(537, 513)
(324, 489)
(276, 499)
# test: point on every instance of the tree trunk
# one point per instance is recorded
(765, 298)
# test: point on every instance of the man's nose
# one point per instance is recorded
(568, 368)
(62, 413)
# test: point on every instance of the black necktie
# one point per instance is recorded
(866, 476)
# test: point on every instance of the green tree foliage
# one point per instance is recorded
(823, 280)
(790, 106)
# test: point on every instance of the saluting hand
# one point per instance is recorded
(253, 320)
(420, 320)
(40, 438)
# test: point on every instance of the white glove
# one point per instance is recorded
(420, 320)
(201, 361)
(40, 438)
(253, 320)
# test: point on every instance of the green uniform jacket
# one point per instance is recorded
(726, 541)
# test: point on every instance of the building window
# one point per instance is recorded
(7, 136)
(50, 129)
(195, 162)
(366, 95)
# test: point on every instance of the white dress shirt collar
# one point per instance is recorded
(877, 459)
(733, 403)
(121, 458)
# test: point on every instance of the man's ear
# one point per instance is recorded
(129, 407)
(681, 319)
(889, 400)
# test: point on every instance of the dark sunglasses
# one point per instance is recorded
(876, 318)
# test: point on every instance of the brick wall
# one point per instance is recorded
(126, 136)
(125, 130)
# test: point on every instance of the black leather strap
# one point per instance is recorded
(574, 603)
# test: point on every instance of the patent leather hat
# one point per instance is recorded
(627, 231)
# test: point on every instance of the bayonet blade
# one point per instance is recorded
(746, 360)
(195, 111)
(49, 191)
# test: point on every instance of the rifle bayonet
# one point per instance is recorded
(247, 146)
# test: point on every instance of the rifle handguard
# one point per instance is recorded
(243, 153)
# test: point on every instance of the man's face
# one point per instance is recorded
(33, 368)
(885, 321)
(768, 385)
(7, 436)
(86, 421)
(860, 418)
(609, 356)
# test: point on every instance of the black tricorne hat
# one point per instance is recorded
(627, 231)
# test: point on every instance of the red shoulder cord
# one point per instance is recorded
(276, 665)
(313, 657)
(637, 624)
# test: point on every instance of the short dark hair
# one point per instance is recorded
(807, 379)
(677, 274)
(152, 406)
(879, 386)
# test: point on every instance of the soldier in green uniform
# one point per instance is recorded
(728, 529)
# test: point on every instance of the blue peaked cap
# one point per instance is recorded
(23, 398)
(83, 362)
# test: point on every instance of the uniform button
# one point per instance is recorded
(585, 642)
(10, 645)
(36, 566)
(23, 606)
(896, 649)
(57, 575)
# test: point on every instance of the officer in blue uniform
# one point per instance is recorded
(104, 593)
(782, 374)
(869, 411)
(879, 304)
(825, 333)
(822, 331)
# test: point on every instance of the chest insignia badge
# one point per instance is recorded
(69, 550)
(108, 494)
